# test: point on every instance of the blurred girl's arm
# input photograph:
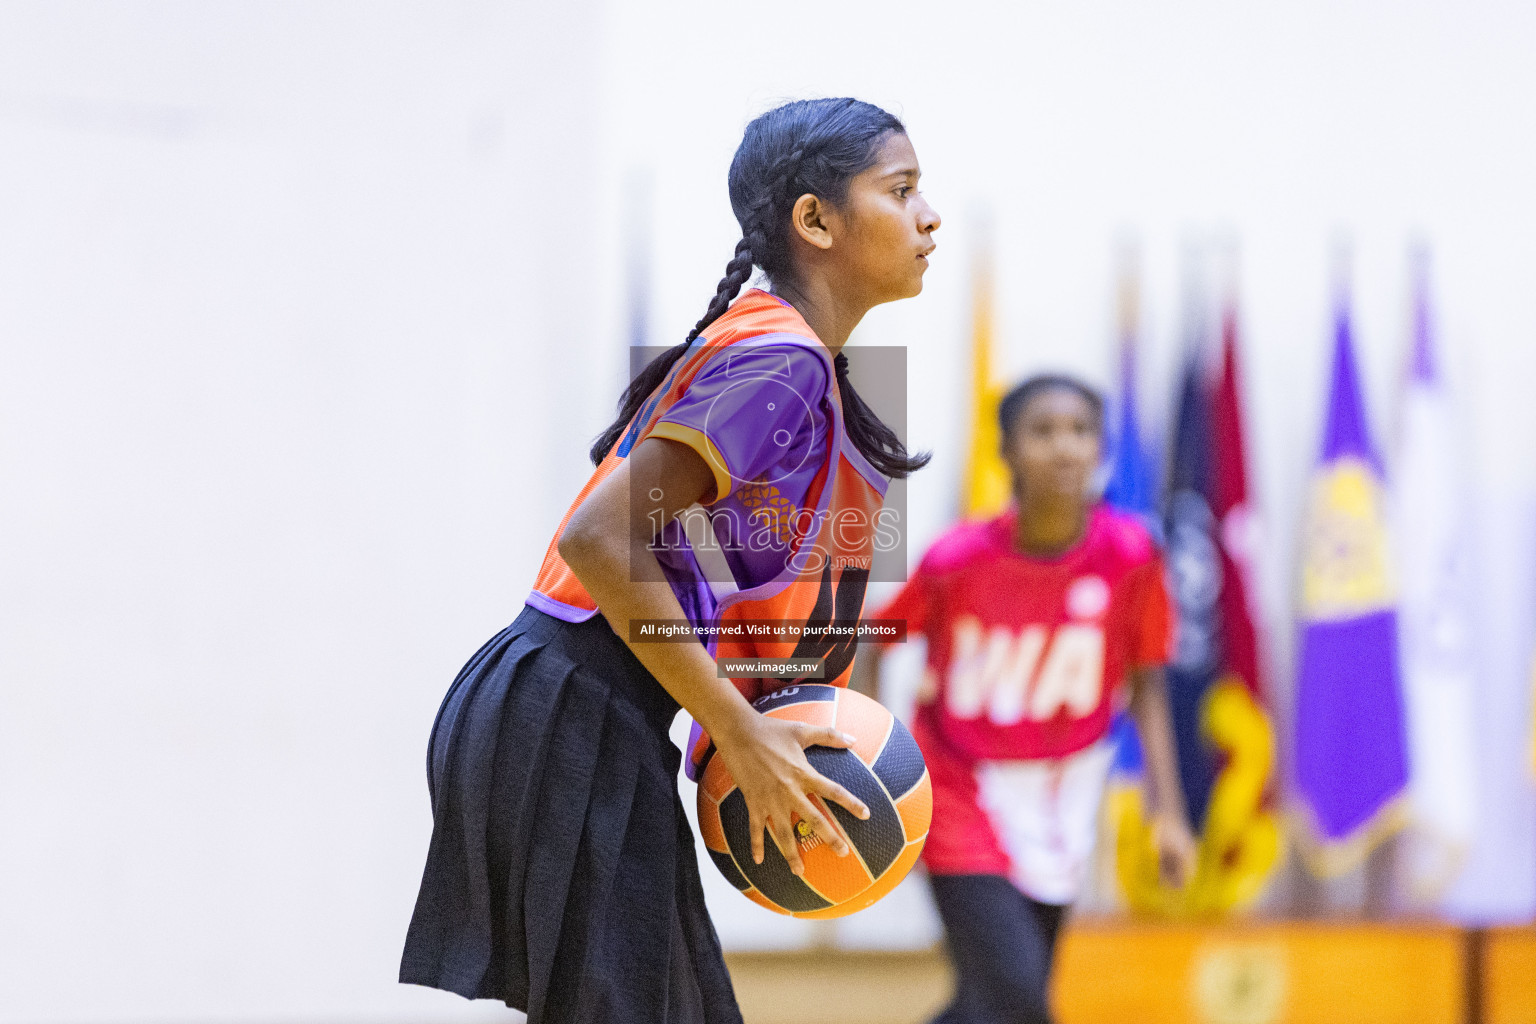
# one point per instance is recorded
(866, 670)
(1154, 721)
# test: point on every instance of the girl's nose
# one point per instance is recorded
(928, 218)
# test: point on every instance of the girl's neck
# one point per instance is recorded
(1047, 527)
(825, 313)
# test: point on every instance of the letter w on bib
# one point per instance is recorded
(1032, 673)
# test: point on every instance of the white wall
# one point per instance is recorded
(308, 311)
(286, 294)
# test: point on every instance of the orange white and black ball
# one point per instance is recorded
(884, 768)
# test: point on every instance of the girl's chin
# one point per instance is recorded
(908, 291)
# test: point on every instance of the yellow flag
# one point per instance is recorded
(1241, 839)
(986, 487)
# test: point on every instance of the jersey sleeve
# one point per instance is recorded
(1153, 619)
(752, 408)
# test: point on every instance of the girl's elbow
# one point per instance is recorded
(578, 542)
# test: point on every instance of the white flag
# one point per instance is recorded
(1435, 557)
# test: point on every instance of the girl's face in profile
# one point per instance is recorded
(889, 225)
(1054, 446)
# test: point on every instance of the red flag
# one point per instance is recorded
(1221, 721)
(1239, 525)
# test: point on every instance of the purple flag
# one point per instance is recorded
(1351, 768)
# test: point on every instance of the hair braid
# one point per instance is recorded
(737, 271)
(784, 173)
(875, 441)
(772, 206)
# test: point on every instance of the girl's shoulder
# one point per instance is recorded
(963, 544)
(1123, 535)
(759, 313)
(760, 341)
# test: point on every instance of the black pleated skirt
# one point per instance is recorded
(562, 877)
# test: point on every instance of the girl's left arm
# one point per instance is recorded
(1177, 849)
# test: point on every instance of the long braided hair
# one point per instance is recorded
(809, 146)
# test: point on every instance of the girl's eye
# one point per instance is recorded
(904, 191)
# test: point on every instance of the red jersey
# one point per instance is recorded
(1025, 654)
(1025, 658)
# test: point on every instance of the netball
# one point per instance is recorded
(884, 768)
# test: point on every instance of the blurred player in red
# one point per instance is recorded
(1034, 620)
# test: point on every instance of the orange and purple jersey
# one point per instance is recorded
(786, 533)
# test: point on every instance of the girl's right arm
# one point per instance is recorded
(612, 531)
(1178, 850)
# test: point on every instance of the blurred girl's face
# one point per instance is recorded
(1054, 446)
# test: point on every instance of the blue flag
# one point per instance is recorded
(1194, 570)
(1131, 489)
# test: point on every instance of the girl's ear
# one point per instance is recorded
(809, 219)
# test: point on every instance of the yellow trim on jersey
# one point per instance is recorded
(699, 441)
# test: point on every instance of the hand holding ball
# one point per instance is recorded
(883, 768)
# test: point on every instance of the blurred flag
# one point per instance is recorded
(637, 272)
(1131, 488)
(1433, 541)
(1241, 836)
(1350, 758)
(1224, 738)
(1533, 716)
(1193, 581)
(638, 289)
(986, 487)
(1497, 881)
(1194, 577)
(1238, 528)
